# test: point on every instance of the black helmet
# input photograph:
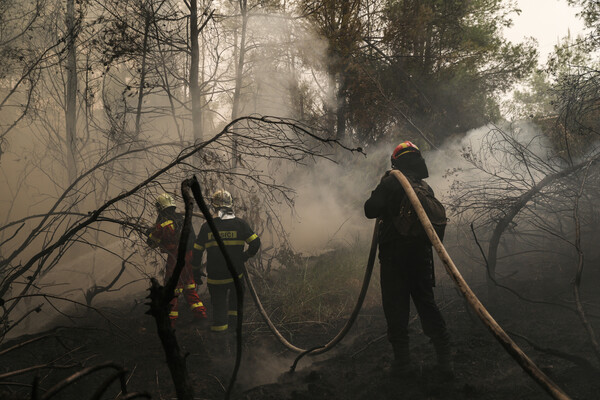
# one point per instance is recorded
(407, 159)
(404, 148)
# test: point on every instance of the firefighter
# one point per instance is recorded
(165, 235)
(236, 234)
(406, 267)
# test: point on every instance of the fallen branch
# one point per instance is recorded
(77, 376)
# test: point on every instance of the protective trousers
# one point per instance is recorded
(187, 287)
(404, 276)
(223, 298)
(191, 297)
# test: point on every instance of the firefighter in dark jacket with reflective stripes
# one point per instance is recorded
(165, 235)
(236, 234)
(406, 266)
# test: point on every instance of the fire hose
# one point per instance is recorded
(337, 338)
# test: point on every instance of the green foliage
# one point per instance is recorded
(590, 13)
(570, 55)
(448, 61)
(575, 68)
(535, 99)
(321, 288)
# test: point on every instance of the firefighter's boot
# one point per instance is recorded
(232, 343)
(402, 365)
(218, 348)
(445, 365)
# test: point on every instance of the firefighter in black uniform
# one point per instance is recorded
(235, 233)
(406, 267)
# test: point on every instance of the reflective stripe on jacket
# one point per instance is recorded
(236, 234)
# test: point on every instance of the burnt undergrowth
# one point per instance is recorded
(354, 370)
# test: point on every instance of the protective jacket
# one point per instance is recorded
(166, 234)
(385, 203)
(235, 233)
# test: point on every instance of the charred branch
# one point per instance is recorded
(160, 296)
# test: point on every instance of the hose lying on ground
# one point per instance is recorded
(337, 338)
(509, 345)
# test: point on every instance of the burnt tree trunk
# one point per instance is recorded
(71, 92)
(160, 297)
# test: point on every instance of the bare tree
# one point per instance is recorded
(531, 200)
(263, 138)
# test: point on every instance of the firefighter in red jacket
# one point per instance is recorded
(236, 234)
(165, 235)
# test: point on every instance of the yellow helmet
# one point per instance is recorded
(222, 199)
(164, 201)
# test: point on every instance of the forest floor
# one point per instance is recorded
(355, 369)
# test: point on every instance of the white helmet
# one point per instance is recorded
(164, 201)
(222, 199)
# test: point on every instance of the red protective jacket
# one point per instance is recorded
(166, 234)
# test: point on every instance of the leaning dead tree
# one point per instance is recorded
(514, 174)
(34, 252)
(525, 191)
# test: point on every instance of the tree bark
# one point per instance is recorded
(71, 92)
(160, 296)
(239, 73)
(194, 68)
(138, 115)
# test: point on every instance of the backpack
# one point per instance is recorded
(407, 222)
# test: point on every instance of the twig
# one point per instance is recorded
(219, 381)
(77, 376)
(22, 344)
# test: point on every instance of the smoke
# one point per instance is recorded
(329, 212)
(329, 196)
(452, 162)
(262, 366)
